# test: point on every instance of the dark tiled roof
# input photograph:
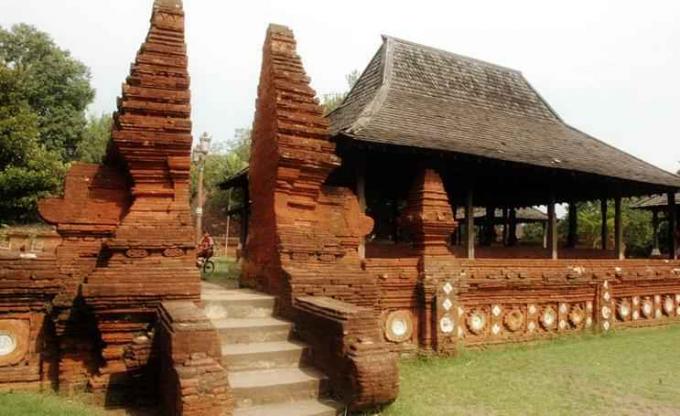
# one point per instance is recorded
(416, 96)
(236, 180)
(656, 201)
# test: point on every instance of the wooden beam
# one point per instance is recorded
(552, 229)
(604, 228)
(572, 237)
(469, 225)
(672, 225)
(618, 229)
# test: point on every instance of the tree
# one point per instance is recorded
(28, 171)
(92, 148)
(637, 227)
(43, 96)
(54, 85)
(332, 101)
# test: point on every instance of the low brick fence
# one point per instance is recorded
(193, 381)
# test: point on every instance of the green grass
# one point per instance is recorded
(32, 404)
(631, 372)
(227, 271)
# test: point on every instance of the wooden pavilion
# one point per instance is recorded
(494, 140)
(353, 212)
(496, 143)
(659, 207)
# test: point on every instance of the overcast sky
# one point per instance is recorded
(610, 68)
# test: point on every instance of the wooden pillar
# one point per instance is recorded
(361, 196)
(506, 228)
(572, 237)
(226, 234)
(618, 229)
(512, 235)
(656, 251)
(604, 228)
(469, 225)
(245, 216)
(490, 226)
(545, 234)
(672, 225)
(552, 229)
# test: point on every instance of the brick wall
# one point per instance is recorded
(303, 234)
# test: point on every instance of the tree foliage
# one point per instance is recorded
(43, 94)
(52, 83)
(637, 227)
(330, 102)
(96, 135)
(28, 169)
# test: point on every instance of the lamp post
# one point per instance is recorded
(199, 156)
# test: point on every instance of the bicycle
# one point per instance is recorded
(206, 265)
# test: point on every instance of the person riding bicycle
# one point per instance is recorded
(206, 248)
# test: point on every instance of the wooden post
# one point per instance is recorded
(245, 216)
(226, 234)
(572, 237)
(361, 196)
(672, 225)
(490, 226)
(552, 229)
(618, 229)
(545, 235)
(604, 228)
(512, 237)
(199, 204)
(656, 251)
(506, 228)
(469, 225)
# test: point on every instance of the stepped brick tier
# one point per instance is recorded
(387, 213)
(114, 305)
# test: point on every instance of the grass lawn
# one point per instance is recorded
(635, 372)
(226, 271)
(31, 404)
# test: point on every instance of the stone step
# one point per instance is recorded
(249, 330)
(236, 294)
(298, 408)
(264, 355)
(261, 387)
(240, 303)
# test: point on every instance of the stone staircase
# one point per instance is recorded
(269, 371)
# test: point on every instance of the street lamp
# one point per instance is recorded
(199, 156)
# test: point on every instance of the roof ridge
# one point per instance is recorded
(349, 93)
(540, 97)
(465, 57)
(375, 103)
